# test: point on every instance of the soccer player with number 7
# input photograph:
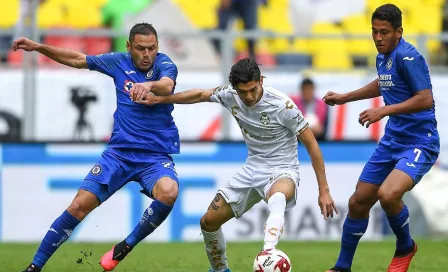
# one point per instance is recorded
(409, 147)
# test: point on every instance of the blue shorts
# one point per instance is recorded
(118, 167)
(413, 159)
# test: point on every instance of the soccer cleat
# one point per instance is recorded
(114, 256)
(338, 269)
(211, 270)
(401, 262)
(32, 268)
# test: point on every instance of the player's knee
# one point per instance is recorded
(389, 197)
(79, 209)
(167, 191)
(83, 203)
(357, 208)
(208, 224)
(353, 203)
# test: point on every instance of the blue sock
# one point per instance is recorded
(352, 232)
(59, 232)
(400, 226)
(152, 218)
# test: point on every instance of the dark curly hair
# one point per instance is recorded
(389, 13)
(244, 71)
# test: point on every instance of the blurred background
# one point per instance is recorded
(55, 121)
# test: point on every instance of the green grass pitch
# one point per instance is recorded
(190, 257)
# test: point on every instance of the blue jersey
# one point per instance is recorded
(136, 126)
(402, 73)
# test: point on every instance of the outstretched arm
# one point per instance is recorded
(186, 97)
(371, 90)
(62, 55)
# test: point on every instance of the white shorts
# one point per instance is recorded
(251, 185)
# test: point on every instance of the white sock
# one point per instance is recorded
(215, 246)
(276, 220)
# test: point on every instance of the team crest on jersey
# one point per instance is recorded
(264, 119)
(128, 85)
(96, 170)
(150, 74)
(389, 64)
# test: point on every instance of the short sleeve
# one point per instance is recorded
(168, 69)
(104, 63)
(415, 72)
(219, 95)
(291, 117)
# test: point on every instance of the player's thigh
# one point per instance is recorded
(159, 178)
(241, 191)
(281, 180)
(218, 213)
(285, 181)
(285, 186)
(380, 164)
(366, 194)
(240, 199)
(395, 186)
(417, 160)
(106, 177)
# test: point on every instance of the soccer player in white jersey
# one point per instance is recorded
(271, 125)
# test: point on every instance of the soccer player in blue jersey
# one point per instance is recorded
(139, 150)
(409, 147)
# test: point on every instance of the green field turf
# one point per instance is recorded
(190, 257)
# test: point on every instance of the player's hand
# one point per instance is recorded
(371, 116)
(139, 90)
(326, 204)
(332, 98)
(150, 99)
(24, 44)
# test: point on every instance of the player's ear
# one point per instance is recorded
(399, 32)
(261, 80)
(128, 46)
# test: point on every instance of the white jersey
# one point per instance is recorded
(269, 128)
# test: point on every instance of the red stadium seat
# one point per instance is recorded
(97, 45)
(16, 58)
(70, 42)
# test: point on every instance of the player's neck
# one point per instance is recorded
(396, 45)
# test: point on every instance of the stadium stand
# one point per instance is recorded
(274, 17)
(420, 17)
